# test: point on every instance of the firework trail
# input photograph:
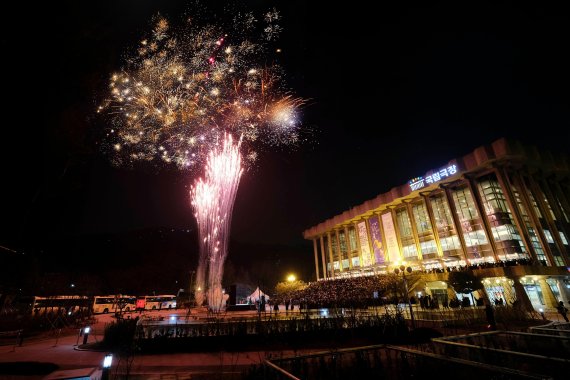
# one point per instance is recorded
(185, 87)
(204, 202)
(183, 92)
(213, 200)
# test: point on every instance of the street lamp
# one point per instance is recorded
(191, 287)
(405, 269)
(86, 331)
(291, 278)
(106, 365)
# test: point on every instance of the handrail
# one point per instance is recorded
(280, 370)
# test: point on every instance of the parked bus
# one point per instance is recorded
(68, 305)
(113, 304)
(164, 301)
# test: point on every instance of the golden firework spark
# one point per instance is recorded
(187, 86)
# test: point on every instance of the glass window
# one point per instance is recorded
(423, 224)
(476, 243)
(448, 238)
(560, 223)
(450, 243)
(546, 202)
(548, 236)
(424, 228)
(553, 284)
(534, 239)
(342, 242)
(533, 202)
(563, 238)
(352, 238)
(355, 261)
(335, 252)
(505, 233)
(558, 261)
(406, 235)
(564, 213)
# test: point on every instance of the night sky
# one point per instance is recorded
(392, 92)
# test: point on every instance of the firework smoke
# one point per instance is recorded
(213, 200)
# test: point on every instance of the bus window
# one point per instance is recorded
(69, 305)
(160, 302)
(113, 304)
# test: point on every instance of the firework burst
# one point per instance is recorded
(185, 87)
(179, 100)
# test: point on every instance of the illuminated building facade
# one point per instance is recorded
(502, 211)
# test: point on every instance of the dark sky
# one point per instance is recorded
(393, 91)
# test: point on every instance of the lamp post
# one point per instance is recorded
(291, 278)
(191, 291)
(405, 269)
(107, 362)
(86, 331)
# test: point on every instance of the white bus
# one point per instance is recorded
(163, 301)
(106, 304)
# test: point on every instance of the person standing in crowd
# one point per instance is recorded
(262, 303)
(562, 310)
(490, 314)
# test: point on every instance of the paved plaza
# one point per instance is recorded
(66, 352)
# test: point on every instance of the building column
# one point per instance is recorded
(519, 182)
(483, 215)
(348, 250)
(456, 222)
(415, 233)
(392, 211)
(548, 217)
(325, 273)
(358, 245)
(557, 189)
(316, 258)
(331, 258)
(338, 250)
(383, 237)
(561, 225)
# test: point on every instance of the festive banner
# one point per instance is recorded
(391, 239)
(374, 224)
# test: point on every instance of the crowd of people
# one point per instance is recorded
(345, 292)
(364, 291)
(483, 265)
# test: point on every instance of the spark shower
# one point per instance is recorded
(213, 200)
